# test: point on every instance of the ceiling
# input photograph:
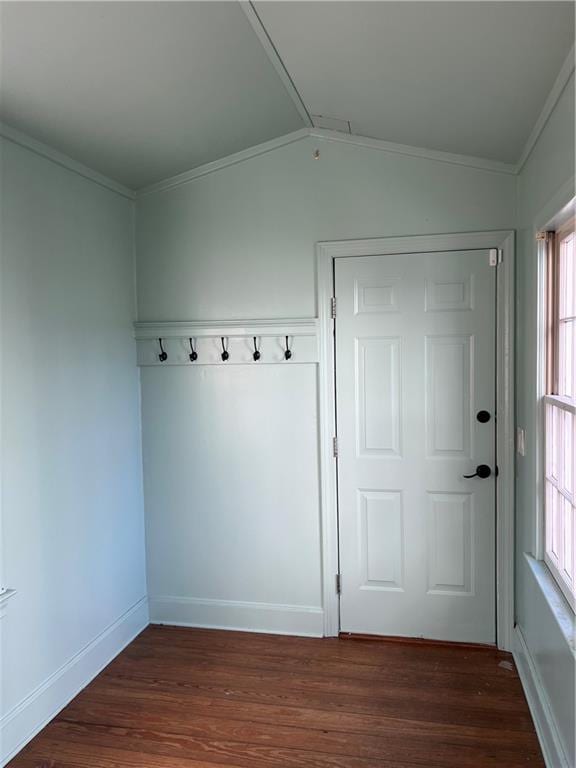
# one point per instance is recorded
(463, 77)
(140, 91)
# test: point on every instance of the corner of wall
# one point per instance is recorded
(32, 714)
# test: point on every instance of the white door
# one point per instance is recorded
(415, 364)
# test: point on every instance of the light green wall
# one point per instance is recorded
(73, 543)
(239, 243)
(545, 184)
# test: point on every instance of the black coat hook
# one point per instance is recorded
(287, 351)
(256, 354)
(163, 356)
(193, 354)
(224, 354)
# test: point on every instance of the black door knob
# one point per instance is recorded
(482, 471)
(483, 416)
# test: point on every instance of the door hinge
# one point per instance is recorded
(333, 307)
(338, 584)
(495, 256)
(544, 236)
(335, 447)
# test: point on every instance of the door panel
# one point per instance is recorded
(415, 362)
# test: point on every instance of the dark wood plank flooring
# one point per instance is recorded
(191, 698)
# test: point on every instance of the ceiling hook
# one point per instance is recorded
(287, 351)
(163, 356)
(256, 354)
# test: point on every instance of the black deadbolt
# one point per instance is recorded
(483, 416)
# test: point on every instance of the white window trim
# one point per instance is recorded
(558, 211)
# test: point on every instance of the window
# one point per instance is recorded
(560, 409)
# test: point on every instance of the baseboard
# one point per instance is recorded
(245, 617)
(550, 741)
(28, 717)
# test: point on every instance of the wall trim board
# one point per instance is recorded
(45, 151)
(406, 149)
(34, 712)
(540, 709)
(326, 253)
(275, 59)
(224, 162)
(269, 618)
(195, 328)
(559, 84)
(236, 336)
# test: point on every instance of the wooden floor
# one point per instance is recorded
(188, 698)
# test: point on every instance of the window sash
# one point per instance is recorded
(560, 500)
(560, 413)
(552, 292)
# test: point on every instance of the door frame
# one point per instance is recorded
(326, 254)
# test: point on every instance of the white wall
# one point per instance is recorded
(231, 471)
(73, 543)
(232, 495)
(545, 184)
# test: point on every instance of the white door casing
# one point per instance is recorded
(415, 361)
(328, 255)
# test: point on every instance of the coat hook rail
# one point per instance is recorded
(238, 342)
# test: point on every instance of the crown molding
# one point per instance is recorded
(326, 135)
(224, 162)
(23, 140)
(557, 89)
(272, 52)
(406, 149)
(43, 150)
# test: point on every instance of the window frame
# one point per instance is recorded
(552, 401)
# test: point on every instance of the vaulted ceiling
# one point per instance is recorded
(463, 77)
(141, 91)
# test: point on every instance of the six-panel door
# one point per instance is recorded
(415, 363)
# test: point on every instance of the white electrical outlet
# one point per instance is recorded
(520, 441)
